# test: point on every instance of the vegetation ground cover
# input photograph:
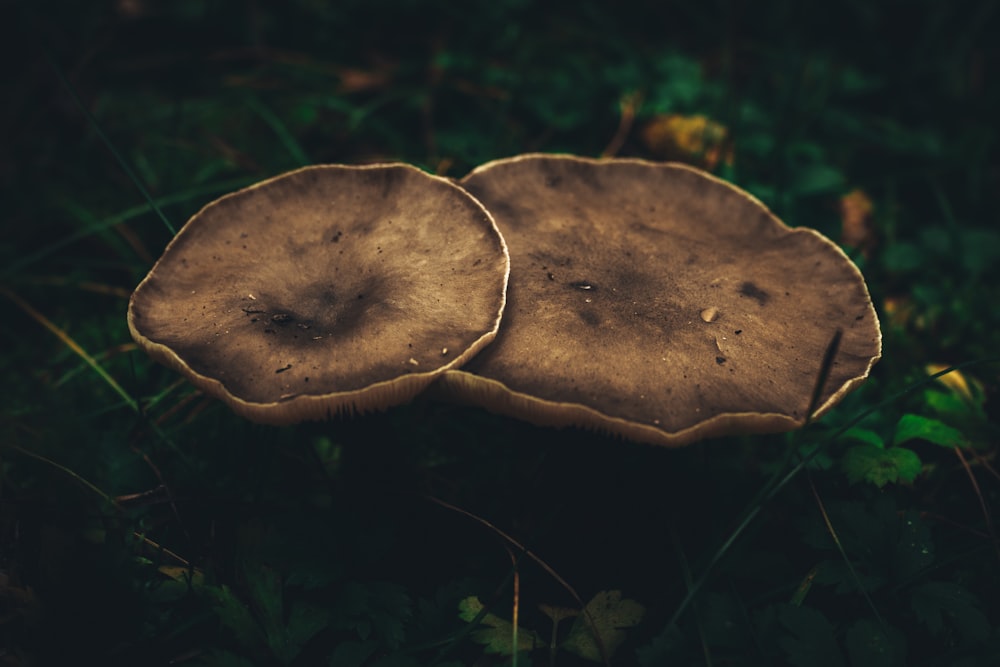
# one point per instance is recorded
(141, 523)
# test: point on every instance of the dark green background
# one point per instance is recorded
(318, 544)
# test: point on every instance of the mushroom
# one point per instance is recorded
(660, 303)
(326, 290)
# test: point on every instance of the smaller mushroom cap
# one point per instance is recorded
(660, 303)
(325, 290)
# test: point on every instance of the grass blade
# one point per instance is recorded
(287, 139)
(71, 344)
(122, 162)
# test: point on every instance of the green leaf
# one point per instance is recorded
(810, 641)
(496, 634)
(723, 622)
(266, 624)
(884, 544)
(235, 616)
(304, 622)
(938, 240)
(903, 257)
(937, 601)
(813, 179)
(954, 408)
(600, 625)
(868, 645)
(374, 608)
(663, 648)
(266, 595)
(835, 572)
(817, 455)
(916, 427)
(864, 435)
(980, 249)
(878, 466)
(914, 547)
(679, 83)
(435, 616)
(857, 82)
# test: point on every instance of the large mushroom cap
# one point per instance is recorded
(325, 290)
(660, 303)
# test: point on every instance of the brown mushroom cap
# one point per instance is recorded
(325, 290)
(660, 303)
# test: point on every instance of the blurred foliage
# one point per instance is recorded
(141, 523)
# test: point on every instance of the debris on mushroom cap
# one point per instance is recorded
(660, 303)
(325, 290)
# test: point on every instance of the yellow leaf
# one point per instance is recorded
(955, 381)
(558, 613)
(598, 631)
(493, 632)
(694, 139)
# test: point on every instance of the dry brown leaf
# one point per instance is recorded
(856, 209)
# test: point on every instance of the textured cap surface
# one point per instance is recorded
(325, 290)
(660, 303)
